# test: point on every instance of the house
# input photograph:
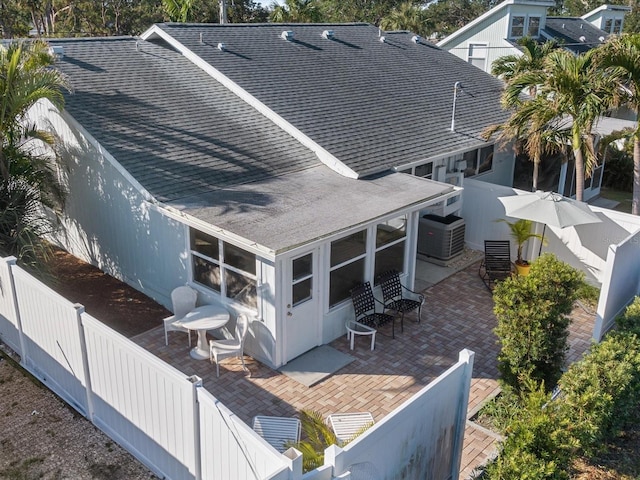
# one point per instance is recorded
(495, 33)
(272, 167)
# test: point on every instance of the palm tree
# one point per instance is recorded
(576, 92)
(533, 54)
(531, 124)
(179, 10)
(622, 54)
(300, 11)
(28, 179)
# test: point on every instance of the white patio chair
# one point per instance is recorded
(347, 425)
(233, 347)
(277, 431)
(184, 300)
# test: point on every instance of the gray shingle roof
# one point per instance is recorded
(373, 105)
(574, 33)
(177, 131)
(199, 148)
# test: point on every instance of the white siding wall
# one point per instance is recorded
(108, 222)
(9, 328)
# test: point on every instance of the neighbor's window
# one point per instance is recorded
(477, 55)
(617, 27)
(517, 27)
(533, 27)
(425, 171)
(348, 257)
(224, 268)
(608, 25)
(478, 161)
(390, 245)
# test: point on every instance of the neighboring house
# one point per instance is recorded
(495, 33)
(262, 164)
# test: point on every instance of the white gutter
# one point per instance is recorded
(323, 155)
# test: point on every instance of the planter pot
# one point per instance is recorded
(523, 268)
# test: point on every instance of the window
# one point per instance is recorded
(425, 171)
(478, 161)
(608, 25)
(477, 55)
(617, 27)
(347, 265)
(533, 27)
(390, 242)
(224, 268)
(517, 27)
(302, 285)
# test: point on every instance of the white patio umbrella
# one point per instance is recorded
(548, 208)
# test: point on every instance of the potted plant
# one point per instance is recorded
(521, 232)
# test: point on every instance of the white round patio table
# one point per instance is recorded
(201, 319)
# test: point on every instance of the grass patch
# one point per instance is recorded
(27, 469)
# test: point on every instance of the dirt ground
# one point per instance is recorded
(41, 437)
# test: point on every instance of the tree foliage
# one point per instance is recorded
(28, 177)
(533, 321)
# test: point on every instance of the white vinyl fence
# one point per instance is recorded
(179, 430)
(607, 252)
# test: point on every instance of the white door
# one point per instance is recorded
(302, 312)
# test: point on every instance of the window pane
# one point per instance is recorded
(240, 259)
(302, 267)
(390, 258)
(425, 170)
(343, 279)
(391, 230)
(517, 26)
(472, 162)
(241, 289)
(206, 273)
(607, 25)
(348, 247)
(302, 291)
(617, 27)
(477, 62)
(205, 244)
(534, 27)
(486, 159)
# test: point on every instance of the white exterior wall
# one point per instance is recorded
(493, 32)
(108, 221)
(9, 324)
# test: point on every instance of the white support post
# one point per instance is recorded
(24, 357)
(85, 362)
(333, 458)
(196, 381)
(293, 457)
(465, 356)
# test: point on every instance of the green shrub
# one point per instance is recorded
(629, 321)
(533, 320)
(600, 393)
(538, 445)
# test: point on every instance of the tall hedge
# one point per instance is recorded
(533, 321)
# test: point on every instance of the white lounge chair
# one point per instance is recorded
(277, 431)
(184, 300)
(347, 425)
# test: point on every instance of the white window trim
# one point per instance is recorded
(484, 59)
(525, 26)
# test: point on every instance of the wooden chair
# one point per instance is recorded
(364, 304)
(398, 298)
(497, 264)
(277, 431)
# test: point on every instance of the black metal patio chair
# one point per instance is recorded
(398, 298)
(497, 264)
(364, 304)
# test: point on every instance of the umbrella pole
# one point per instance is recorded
(542, 239)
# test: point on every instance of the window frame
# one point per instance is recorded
(480, 47)
(477, 163)
(526, 25)
(223, 267)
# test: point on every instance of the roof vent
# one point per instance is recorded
(201, 38)
(602, 39)
(382, 39)
(581, 26)
(583, 39)
(416, 39)
(328, 34)
(287, 35)
(56, 51)
(563, 25)
(222, 47)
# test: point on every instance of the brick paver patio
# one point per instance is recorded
(457, 315)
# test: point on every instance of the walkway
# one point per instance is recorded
(457, 315)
